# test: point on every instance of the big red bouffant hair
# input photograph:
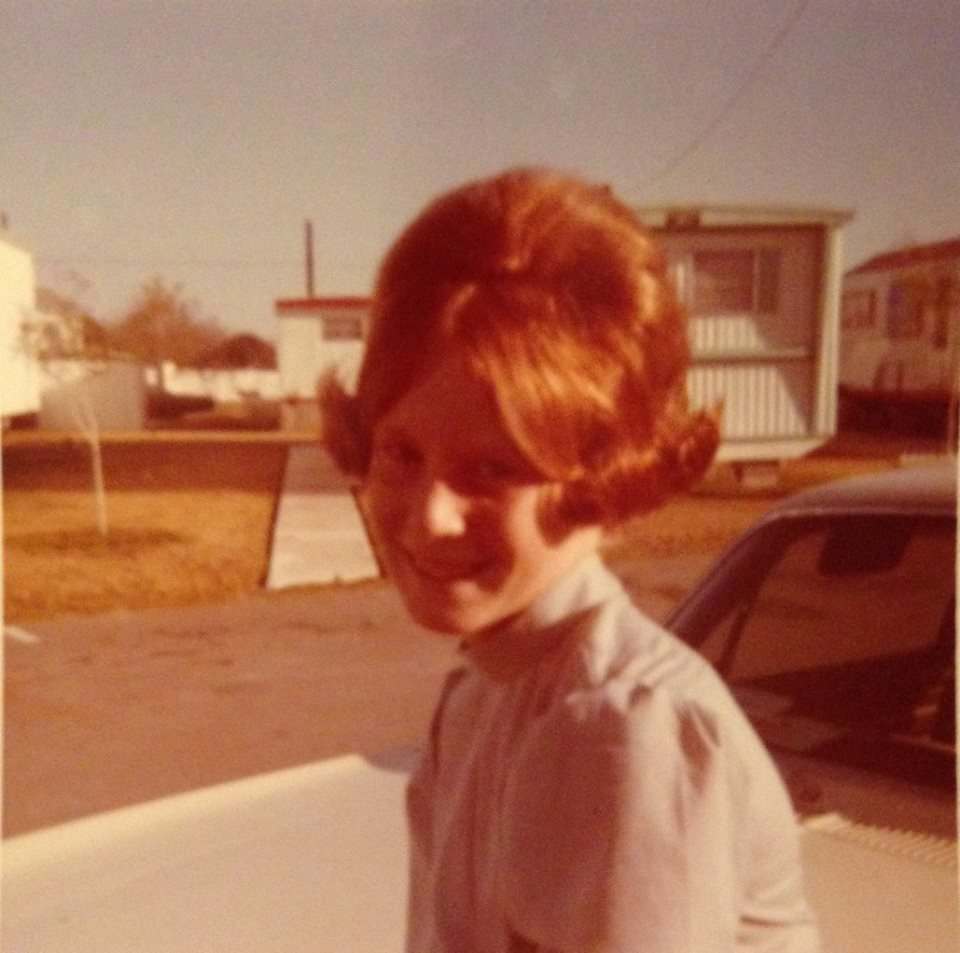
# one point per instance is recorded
(554, 295)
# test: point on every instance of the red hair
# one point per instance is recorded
(557, 297)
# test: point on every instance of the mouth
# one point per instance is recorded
(444, 572)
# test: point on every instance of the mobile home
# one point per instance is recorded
(762, 288)
(316, 335)
(900, 336)
(19, 379)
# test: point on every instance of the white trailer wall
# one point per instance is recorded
(920, 359)
(114, 390)
(19, 393)
(304, 352)
(316, 335)
(761, 286)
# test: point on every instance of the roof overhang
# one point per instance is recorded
(693, 215)
(290, 306)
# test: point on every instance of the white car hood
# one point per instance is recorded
(307, 859)
(313, 859)
(881, 890)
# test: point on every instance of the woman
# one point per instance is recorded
(589, 784)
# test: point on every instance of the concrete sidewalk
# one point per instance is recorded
(318, 535)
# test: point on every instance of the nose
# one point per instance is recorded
(441, 510)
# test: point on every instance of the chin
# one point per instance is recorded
(460, 623)
(461, 608)
(449, 617)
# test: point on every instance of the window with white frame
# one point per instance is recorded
(735, 280)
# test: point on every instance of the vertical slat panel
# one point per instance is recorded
(762, 399)
(710, 334)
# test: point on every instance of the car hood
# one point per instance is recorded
(879, 889)
(313, 859)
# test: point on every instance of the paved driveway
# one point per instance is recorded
(115, 709)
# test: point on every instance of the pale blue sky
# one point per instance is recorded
(192, 139)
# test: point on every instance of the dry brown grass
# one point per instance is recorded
(189, 520)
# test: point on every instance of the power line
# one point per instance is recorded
(733, 100)
(166, 262)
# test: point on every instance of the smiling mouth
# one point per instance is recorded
(446, 573)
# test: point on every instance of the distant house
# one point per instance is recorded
(19, 378)
(316, 335)
(900, 334)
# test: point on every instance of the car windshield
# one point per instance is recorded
(837, 634)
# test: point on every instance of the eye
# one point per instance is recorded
(492, 474)
(395, 454)
(495, 470)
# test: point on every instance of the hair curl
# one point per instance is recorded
(556, 296)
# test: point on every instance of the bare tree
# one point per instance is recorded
(72, 347)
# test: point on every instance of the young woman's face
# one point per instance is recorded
(454, 508)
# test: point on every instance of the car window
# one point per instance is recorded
(842, 627)
(803, 617)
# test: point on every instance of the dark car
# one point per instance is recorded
(834, 622)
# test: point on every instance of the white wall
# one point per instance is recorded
(303, 355)
(115, 389)
(871, 360)
(19, 392)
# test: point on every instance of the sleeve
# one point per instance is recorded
(618, 830)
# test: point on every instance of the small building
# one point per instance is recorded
(316, 336)
(78, 393)
(900, 335)
(19, 380)
(762, 288)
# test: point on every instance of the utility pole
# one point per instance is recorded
(309, 256)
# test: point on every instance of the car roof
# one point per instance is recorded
(925, 488)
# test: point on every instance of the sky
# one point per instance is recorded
(192, 140)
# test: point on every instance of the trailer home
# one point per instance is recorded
(19, 378)
(762, 288)
(315, 336)
(900, 336)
